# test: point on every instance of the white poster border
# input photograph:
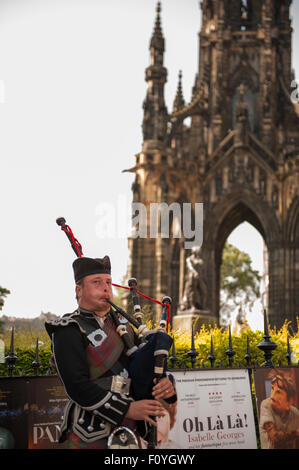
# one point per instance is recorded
(214, 410)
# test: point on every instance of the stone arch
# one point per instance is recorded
(243, 73)
(239, 206)
(259, 214)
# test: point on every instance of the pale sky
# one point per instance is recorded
(71, 92)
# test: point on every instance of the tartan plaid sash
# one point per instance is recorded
(103, 357)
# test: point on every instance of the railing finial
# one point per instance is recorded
(267, 346)
(11, 358)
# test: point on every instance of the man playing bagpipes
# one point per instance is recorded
(93, 361)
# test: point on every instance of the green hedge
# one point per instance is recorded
(24, 362)
(220, 337)
(25, 348)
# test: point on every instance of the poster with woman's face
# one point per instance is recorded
(278, 407)
(213, 411)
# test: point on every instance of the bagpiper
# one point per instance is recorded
(92, 362)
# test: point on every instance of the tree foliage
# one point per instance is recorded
(3, 293)
(240, 283)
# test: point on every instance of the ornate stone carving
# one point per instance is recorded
(243, 140)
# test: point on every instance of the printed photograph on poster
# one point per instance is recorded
(13, 413)
(165, 424)
(46, 408)
(277, 400)
(214, 411)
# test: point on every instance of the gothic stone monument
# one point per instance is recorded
(239, 156)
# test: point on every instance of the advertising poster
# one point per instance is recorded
(31, 410)
(277, 400)
(13, 413)
(214, 411)
(46, 406)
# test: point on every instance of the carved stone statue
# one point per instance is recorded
(195, 291)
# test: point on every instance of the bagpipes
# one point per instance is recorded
(148, 361)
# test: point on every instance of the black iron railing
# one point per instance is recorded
(267, 346)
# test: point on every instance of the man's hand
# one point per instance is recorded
(163, 389)
(144, 410)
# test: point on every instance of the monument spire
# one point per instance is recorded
(179, 98)
(154, 124)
